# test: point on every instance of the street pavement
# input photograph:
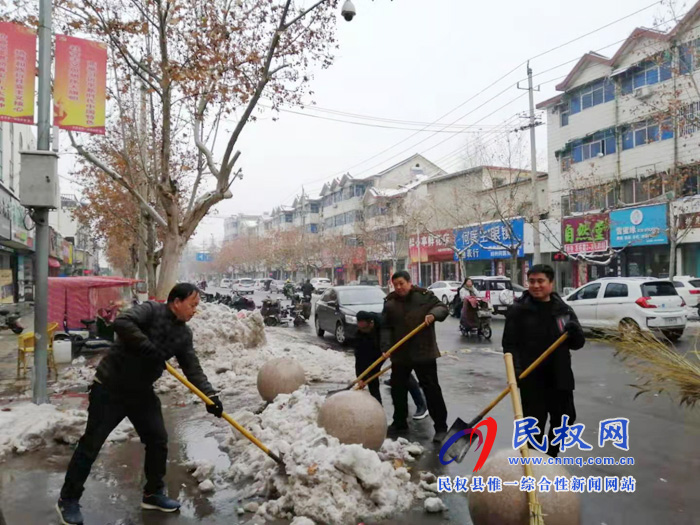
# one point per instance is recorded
(664, 440)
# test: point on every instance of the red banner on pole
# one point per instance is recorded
(17, 73)
(80, 85)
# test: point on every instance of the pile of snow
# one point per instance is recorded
(327, 481)
(74, 377)
(25, 427)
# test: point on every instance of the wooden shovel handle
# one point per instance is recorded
(228, 418)
(388, 353)
(524, 374)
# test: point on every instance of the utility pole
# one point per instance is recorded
(537, 255)
(41, 214)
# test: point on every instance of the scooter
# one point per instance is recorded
(481, 309)
(10, 321)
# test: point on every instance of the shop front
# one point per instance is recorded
(642, 234)
(586, 237)
(55, 253)
(687, 216)
(486, 249)
(432, 257)
(17, 252)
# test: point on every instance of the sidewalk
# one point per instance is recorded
(9, 384)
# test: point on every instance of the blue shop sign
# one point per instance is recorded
(490, 241)
(642, 226)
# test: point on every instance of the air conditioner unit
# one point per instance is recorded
(642, 92)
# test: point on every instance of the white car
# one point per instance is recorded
(445, 290)
(496, 290)
(243, 286)
(518, 291)
(321, 284)
(689, 289)
(277, 286)
(643, 303)
(225, 283)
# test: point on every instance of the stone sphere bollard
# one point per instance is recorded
(354, 417)
(282, 375)
(510, 506)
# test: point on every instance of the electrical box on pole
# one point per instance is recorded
(38, 181)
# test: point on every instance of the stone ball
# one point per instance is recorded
(354, 417)
(510, 506)
(282, 375)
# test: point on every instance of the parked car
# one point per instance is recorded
(277, 286)
(689, 289)
(225, 283)
(445, 290)
(496, 289)
(243, 286)
(624, 303)
(321, 284)
(338, 306)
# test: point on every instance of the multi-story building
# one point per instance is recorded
(307, 213)
(240, 224)
(622, 136)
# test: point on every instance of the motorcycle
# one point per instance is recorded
(10, 321)
(475, 318)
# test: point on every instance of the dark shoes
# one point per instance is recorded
(440, 436)
(421, 413)
(397, 428)
(69, 512)
(159, 501)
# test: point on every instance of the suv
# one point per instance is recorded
(225, 283)
(643, 303)
(243, 286)
(689, 289)
(497, 290)
(320, 284)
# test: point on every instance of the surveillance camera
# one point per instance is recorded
(348, 10)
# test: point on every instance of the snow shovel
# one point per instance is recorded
(384, 357)
(459, 448)
(228, 418)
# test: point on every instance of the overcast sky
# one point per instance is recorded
(416, 60)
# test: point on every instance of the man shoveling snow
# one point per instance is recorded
(149, 335)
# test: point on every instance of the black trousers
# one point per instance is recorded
(373, 387)
(428, 380)
(546, 402)
(106, 410)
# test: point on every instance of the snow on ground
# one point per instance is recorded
(326, 481)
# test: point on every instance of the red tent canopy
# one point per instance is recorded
(82, 297)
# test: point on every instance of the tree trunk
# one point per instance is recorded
(672, 255)
(169, 264)
(514, 267)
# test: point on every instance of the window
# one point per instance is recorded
(314, 208)
(689, 57)
(589, 292)
(652, 71)
(339, 220)
(688, 119)
(359, 190)
(288, 217)
(600, 143)
(659, 289)
(596, 93)
(500, 285)
(678, 284)
(349, 217)
(313, 228)
(565, 162)
(328, 223)
(646, 132)
(565, 206)
(564, 115)
(616, 290)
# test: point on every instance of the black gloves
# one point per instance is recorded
(574, 329)
(217, 408)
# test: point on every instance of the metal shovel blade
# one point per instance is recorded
(458, 450)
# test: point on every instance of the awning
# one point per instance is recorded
(54, 263)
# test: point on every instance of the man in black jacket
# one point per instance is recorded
(533, 323)
(404, 309)
(148, 335)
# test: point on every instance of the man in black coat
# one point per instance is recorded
(404, 309)
(368, 349)
(533, 323)
(307, 289)
(148, 335)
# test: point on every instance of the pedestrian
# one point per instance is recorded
(307, 289)
(149, 335)
(537, 319)
(404, 309)
(368, 350)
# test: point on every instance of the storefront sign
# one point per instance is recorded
(20, 234)
(641, 226)
(7, 289)
(55, 244)
(80, 84)
(67, 250)
(490, 241)
(689, 221)
(586, 234)
(434, 246)
(17, 73)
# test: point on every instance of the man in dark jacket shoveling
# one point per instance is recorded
(533, 323)
(148, 335)
(404, 309)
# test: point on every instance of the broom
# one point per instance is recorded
(536, 517)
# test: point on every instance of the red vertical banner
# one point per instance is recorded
(17, 73)
(80, 85)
